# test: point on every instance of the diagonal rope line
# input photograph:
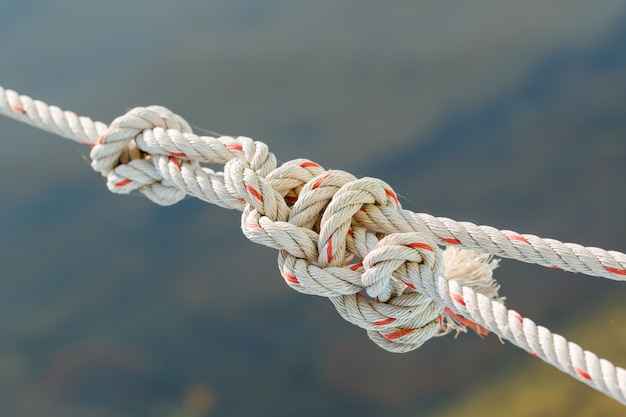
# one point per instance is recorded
(383, 267)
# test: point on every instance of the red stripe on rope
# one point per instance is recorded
(356, 266)
(458, 299)
(175, 162)
(329, 249)
(318, 182)
(177, 154)
(517, 316)
(18, 109)
(450, 241)
(420, 245)
(582, 373)
(392, 195)
(309, 164)
(477, 328)
(399, 333)
(123, 182)
(617, 271)
(388, 320)
(254, 192)
(518, 237)
(291, 278)
(408, 284)
(234, 146)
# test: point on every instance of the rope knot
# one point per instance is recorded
(119, 157)
(340, 237)
(325, 224)
(405, 258)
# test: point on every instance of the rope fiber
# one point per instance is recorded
(404, 277)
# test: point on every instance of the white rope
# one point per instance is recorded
(338, 236)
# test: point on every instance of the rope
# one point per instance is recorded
(385, 269)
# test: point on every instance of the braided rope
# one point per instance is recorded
(338, 236)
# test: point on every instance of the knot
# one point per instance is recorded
(407, 258)
(329, 204)
(403, 323)
(320, 237)
(128, 167)
(400, 319)
(328, 226)
(325, 250)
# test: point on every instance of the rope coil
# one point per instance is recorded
(404, 277)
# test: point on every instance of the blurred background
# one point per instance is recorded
(510, 114)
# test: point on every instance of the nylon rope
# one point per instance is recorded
(404, 277)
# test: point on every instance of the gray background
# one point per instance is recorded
(502, 113)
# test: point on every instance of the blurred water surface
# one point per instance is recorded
(507, 114)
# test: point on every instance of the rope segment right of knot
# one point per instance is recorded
(326, 225)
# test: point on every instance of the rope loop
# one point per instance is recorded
(403, 258)
(337, 218)
(340, 237)
(117, 155)
(401, 324)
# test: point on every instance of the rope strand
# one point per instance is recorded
(340, 237)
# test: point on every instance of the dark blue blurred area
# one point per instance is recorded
(506, 115)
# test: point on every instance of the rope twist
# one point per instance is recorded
(384, 268)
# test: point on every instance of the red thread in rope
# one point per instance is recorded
(458, 299)
(392, 195)
(329, 249)
(518, 237)
(123, 182)
(477, 328)
(450, 241)
(420, 246)
(356, 266)
(18, 109)
(291, 278)
(177, 154)
(399, 333)
(175, 162)
(254, 192)
(408, 284)
(234, 146)
(388, 320)
(617, 271)
(319, 181)
(582, 373)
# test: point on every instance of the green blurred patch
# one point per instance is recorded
(532, 388)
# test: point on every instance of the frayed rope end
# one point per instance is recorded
(474, 270)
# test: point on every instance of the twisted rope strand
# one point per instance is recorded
(339, 236)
